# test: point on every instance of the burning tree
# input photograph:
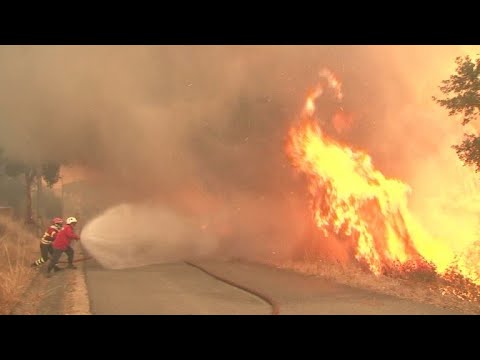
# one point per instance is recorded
(463, 98)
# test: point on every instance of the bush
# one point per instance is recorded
(16, 249)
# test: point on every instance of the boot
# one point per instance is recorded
(71, 266)
(56, 268)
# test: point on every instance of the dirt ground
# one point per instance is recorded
(456, 297)
(65, 293)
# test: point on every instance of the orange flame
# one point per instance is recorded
(352, 200)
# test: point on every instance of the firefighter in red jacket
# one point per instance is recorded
(61, 245)
(46, 242)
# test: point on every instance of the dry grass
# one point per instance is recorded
(17, 246)
(452, 293)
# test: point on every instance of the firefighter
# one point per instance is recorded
(61, 245)
(46, 242)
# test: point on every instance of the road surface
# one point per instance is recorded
(182, 289)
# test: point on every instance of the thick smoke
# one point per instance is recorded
(200, 129)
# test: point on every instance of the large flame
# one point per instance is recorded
(356, 204)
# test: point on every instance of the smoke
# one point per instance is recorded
(201, 129)
(413, 142)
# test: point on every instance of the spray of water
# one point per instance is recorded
(131, 235)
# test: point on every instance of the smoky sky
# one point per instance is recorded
(157, 118)
(201, 129)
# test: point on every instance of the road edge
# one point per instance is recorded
(77, 301)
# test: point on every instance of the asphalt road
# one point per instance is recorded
(182, 289)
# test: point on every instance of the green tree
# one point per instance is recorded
(462, 91)
(48, 171)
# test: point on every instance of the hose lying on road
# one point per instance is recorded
(273, 304)
(270, 301)
(76, 260)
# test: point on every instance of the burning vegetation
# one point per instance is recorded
(366, 213)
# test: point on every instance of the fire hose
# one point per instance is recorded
(77, 260)
(267, 299)
(275, 307)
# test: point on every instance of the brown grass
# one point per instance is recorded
(17, 249)
(451, 293)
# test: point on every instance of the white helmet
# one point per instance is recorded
(71, 220)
